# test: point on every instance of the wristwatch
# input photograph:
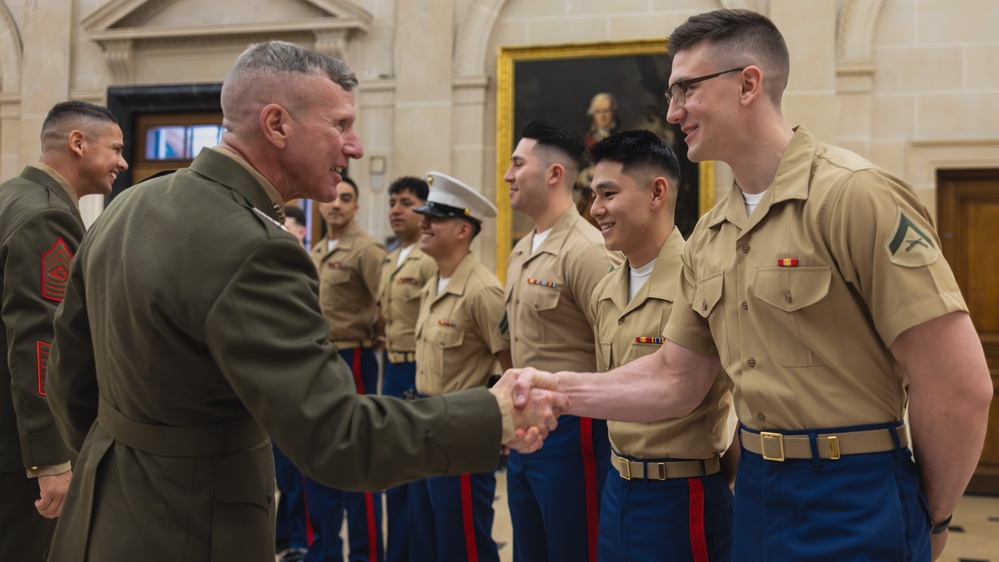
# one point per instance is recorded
(941, 526)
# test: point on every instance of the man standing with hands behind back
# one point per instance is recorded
(819, 285)
(40, 231)
(349, 263)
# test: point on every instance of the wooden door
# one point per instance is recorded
(968, 216)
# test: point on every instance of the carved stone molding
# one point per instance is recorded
(118, 55)
(118, 26)
(11, 53)
(855, 45)
(332, 42)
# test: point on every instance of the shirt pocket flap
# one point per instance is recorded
(707, 293)
(792, 288)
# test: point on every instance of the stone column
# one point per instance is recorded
(46, 36)
(424, 41)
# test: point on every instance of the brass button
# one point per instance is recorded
(745, 248)
(787, 296)
(761, 416)
(745, 305)
(751, 362)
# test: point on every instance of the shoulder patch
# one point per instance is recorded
(910, 246)
(55, 271)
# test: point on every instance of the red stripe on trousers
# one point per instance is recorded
(468, 518)
(369, 501)
(698, 542)
(590, 478)
(310, 533)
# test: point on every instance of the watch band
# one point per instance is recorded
(941, 526)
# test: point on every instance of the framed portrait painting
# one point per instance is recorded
(597, 89)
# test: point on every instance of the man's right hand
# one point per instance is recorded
(52, 493)
(535, 417)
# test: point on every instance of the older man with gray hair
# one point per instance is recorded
(191, 331)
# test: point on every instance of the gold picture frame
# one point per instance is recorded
(558, 83)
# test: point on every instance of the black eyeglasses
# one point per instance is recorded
(676, 94)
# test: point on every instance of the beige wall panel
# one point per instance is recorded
(644, 26)
(691, 7)
(853, 116)
(982, 69)
(600, 7)
(890, 155)
(426, 151)
(89, 71)
(507, 32)
(810, 31)
(376, 58)
(204, 63)
(197, 12)
(965, 115)
(532, 8)
(896, 25)
(947, 21)
(918, 69)
(894, 116)
(817, 112)
(550, 31)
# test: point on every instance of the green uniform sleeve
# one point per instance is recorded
(36, 264)
(267, 335)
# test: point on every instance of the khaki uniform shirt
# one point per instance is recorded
(348, 284)
(40, 231)
(399, 296)
(626, 331)
(802, 301)
(548, 295)
(458, 331)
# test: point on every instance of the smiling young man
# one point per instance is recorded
(40, 231)
(404, 272)
(458, 340)
(667, 473)
(819, 286)
(555, 493)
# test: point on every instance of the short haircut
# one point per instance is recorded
(640, 153)
(738, 38)
(295, 212)
(414, 184)
(347, 180)
(64, 112)
(269, 65)
(561, 141)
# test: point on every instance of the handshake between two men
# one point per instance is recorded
(533, 405)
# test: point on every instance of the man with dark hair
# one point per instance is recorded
(191, 334)
(40, 231)
(296, 223)
(459, 338)
(668, 473)
(555, 494)
(404, 272)
(819, 286)
(349, 263)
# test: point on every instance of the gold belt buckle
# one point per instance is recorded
(764, 435)
(627, 465)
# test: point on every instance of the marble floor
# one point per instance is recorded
(974, 535)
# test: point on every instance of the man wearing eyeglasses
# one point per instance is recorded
(819, 286)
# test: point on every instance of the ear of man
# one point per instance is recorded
(751, 83)
(76, 141)
(658, 192)
(275, 122)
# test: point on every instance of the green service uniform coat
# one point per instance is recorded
(40, 229)
(191, 316)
